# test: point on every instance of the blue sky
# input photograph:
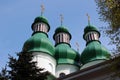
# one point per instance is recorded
(16, 17)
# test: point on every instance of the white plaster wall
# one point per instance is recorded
(91, 64)
(45, 61)
(66, 68)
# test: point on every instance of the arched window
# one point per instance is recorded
(57, 38)
(96, 36)
(61, 37)
(68, 38)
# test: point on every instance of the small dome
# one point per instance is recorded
(66, 55)
(41, 19)
(39, 42)
(90, 28)
(94, 51)
(61, 29)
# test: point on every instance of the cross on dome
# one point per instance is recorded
(61, 19)
(88, 18)
(42, 9)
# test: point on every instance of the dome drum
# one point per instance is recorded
(61, 29)
(40, 19)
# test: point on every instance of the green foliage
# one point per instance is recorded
(114, 36)
(3, 74)
(25, 69)
(109, 11)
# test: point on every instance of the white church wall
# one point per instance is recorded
(91, 64)
(45, 61)
(66, 69)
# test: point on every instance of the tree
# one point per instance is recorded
(109, 11)
(3, 74)
(23, 68)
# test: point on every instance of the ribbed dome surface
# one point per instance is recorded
(39, 42)
(94, 51)
(64, 54)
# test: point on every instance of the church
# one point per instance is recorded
(65, 63)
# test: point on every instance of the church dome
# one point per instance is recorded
(66, 55)
(94, 51)
(39, 42)
(41, 19)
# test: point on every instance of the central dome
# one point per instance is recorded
(66, 55)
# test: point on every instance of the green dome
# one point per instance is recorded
(39, 42)
(61, 29)
(41, 19)
(66, 55)
(94, 51)
(90, 28)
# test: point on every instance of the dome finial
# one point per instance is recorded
(61, 19)
(88, 18)
(42, 9)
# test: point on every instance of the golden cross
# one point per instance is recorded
(88, 18)
(42, 9)
(61, 19)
